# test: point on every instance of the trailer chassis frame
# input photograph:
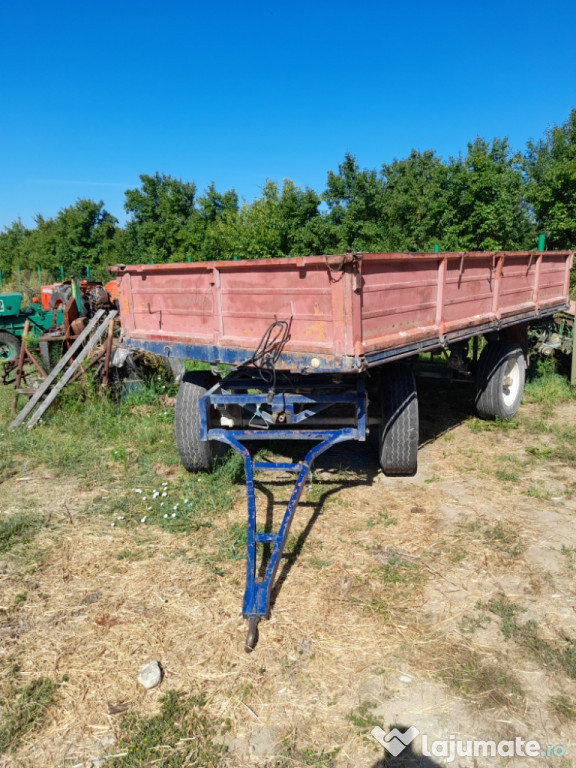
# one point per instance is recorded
(274, 407)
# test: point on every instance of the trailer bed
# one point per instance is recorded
(345, 312)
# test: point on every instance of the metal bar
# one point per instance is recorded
(70, 371)
(272, 465)
(20, 366)
(257, 593)
(109, 342)
(56, 370)
(573, 366)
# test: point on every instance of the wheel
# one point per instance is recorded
(500, 380)
(9, 347)
(61, 295)
(399, 424)
(196, 455)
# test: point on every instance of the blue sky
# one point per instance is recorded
(94, 94)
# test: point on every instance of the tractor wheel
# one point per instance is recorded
(196, 454)
(9, 347)
(399, 424)
(61, 295)
(500, 380)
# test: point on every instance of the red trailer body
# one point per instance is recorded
(346, 312)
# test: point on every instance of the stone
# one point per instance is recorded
(150, 675)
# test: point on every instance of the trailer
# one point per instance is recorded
(320, 348)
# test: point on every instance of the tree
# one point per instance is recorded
(355, 208)
(14, 247)
(160, 213)
(210, 234)
(275, 224)
(485, 202)
(551, 171)
(415, 200)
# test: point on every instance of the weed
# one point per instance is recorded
(478, 425)
(131, 555)
(563, 706)
(16, 529)
(504, 538)
(382, 518)
(182, 733)
(233, 542)
(488, 683)
(499, 536)
(540, 451)
(363, 717)
(399, 571)
(553, 656)
(507, 476)
(508, 612)
(24, 710)
(548, 389)
(469, 624)
(570, 555)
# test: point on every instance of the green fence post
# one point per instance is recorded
(436, 249)
(541, 242)
(87, 272)
(61, 273)
(19, 279)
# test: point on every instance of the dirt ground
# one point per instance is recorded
(444, 601)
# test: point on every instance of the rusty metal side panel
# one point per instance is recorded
(254, 297)
(170, 302)
(416, 298)
(232, 304)
(342, 308)
(399, 294)
(554, 279)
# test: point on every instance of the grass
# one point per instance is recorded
(17, 530)
(487, 682)
(400, 571)
(24, 711)
(555, 656)
(499, 536)
(182, 733)
(548, 389)
(563, 706)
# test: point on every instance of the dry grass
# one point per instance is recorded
(375, 586)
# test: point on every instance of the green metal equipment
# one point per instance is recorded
(13, 318)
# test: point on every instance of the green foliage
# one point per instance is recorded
(490, 198)
(553, 655)
(23, 711)
(182, 733)
(16, 529)
(484, 202)
(415, 202)
(160, 210)
(550, 166)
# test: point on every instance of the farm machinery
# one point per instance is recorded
(13, 319)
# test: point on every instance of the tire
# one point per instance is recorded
(500, 380)
(61, 295)
(398, 439)
(9, 347)
(195, 454)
